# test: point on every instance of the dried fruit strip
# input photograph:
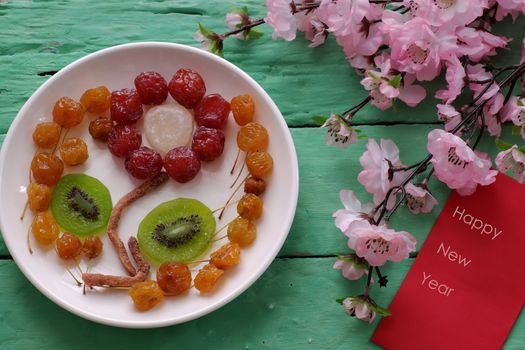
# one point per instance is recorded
(101, 280)
(124, 202)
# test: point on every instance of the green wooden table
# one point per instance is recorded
(293, 305)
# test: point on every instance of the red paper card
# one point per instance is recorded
(467, 285)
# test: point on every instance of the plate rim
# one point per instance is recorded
(238, 290)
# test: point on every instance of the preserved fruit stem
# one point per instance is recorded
(231, 196)
(239, 175)
(236, 160)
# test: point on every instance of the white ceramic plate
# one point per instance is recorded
(116, 68)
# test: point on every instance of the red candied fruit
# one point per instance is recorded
(187, 87)
(143, 163)
(212, 112)
(208, 143)
(182, 164)
(151, 87)
(126, 106)
(123, 139)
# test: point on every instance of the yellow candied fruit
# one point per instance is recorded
(146, 295)
(96, 100)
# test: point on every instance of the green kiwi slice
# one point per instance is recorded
(177, 230)
(81, 204)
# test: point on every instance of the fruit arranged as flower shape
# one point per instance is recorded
(181, 136)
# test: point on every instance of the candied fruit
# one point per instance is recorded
(44, 228)
(207, 278)
(212, 112)
(96, 100)
(68, 246)
(252, 137)
(151, 87)
(168, 126)
(68, 112)
(226, 256)
(143, 163)
(123, 139)
(243, 108)
(39, 197)
(174, 277)
(92, 247)
(146, 295)
(250, 207)
(254, 185)
(46, 168)
(259, 163)
(208, 143)
(242, 231)
(46, 135)
(100, 128)
(182, 164)
(73, 151)
(187, 87)
(126, 106)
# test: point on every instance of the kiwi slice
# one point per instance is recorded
(177, 230)
(81, 204)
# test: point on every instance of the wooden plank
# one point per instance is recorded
(42, 37)
(325, 170)
(292, 306)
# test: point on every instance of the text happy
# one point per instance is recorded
(476, 224)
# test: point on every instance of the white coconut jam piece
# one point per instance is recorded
(168, 126)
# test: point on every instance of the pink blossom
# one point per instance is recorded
(456, 164)
(477, 73)
(314, 30)
(477, 44)
(352, 267)
(514, 110)
(419, 198)
(513, 159)
(234, 20)
(205, 42)
(379, 244)
(509, 7)
(281, 19)
(512, 5)
(343, 15)
(363, 308)
(450, 12)
(455, 77)
(360, 62)
(355, 306)
(352, 212)
(490, 113)
(410, 93)
(339, 133)
(416, 48)
(379, 169)
(384, 86)
(353, 25)
(449, 115)
(210, 41)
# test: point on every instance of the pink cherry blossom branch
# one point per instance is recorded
(253, 23)
(353, 110)
(369, 280)
(471, 117)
